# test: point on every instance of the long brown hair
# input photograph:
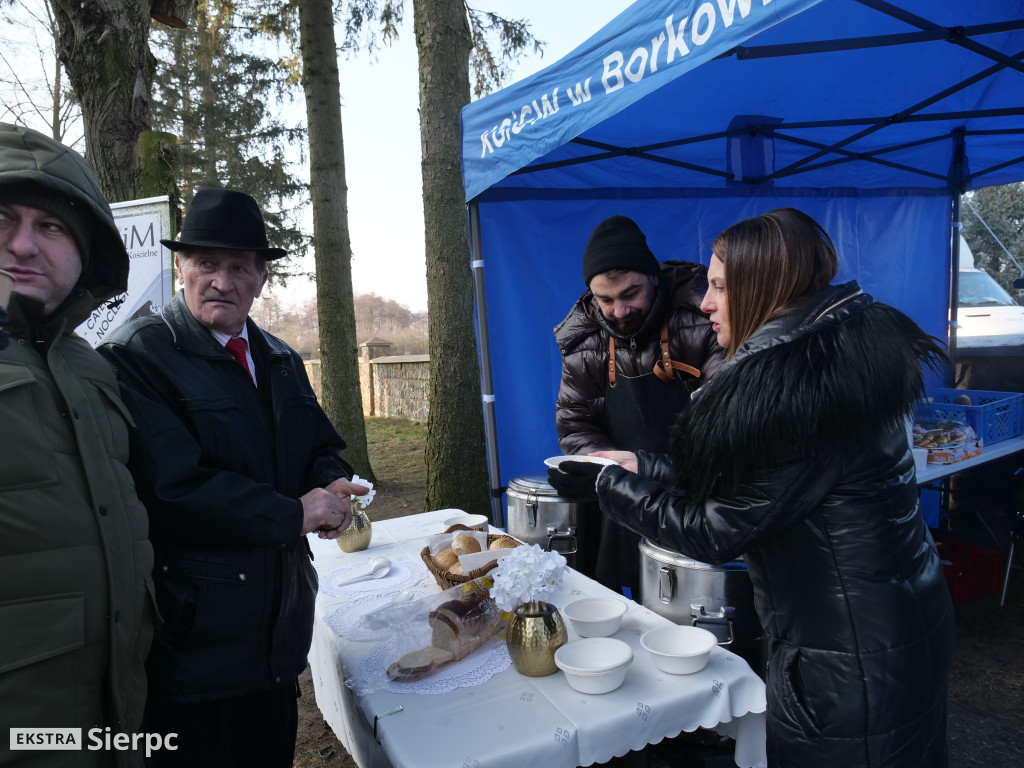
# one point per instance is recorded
(771, 262)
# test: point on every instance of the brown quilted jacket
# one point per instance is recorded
(583, 339)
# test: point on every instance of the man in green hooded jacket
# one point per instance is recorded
(75, 560)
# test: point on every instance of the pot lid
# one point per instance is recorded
(668, 557)
(535, 483)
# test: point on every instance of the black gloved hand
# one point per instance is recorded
(575, 479)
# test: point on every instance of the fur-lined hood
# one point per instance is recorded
(823, 379)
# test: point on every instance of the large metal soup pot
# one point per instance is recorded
(536, 514)
(718, 598)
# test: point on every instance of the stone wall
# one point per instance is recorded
(399, 385)
(394, 385)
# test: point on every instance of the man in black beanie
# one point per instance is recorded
(634, 347)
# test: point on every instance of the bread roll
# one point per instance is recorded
(445, 559)
(456, 569)
(503, 543)
(465, 545)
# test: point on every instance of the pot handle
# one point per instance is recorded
(568, 536)
(531, 503)
(666, 584)
(719, 619)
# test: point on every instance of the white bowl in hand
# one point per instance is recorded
(677, 649)
(473, 522)
(594, 664)
(554, 461)
(595, 616)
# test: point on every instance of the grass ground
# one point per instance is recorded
(986, 684)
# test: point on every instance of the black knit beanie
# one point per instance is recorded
(617, 243)
(76, 217)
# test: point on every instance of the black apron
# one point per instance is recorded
(639, 413)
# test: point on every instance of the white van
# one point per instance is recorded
(987, 316)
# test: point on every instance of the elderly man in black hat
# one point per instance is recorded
(236, 462)
(634, 347)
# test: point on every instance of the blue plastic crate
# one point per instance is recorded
(993, 416)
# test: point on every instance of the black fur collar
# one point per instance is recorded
(825, 378)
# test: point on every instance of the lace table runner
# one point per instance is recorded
(479, 667)
(402, 575)
(367, 619)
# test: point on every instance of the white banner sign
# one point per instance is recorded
(143, 223)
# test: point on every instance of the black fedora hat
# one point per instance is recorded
(224, 219)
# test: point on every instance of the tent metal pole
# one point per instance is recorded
(959, 173)
(930, 34)
(486, 371)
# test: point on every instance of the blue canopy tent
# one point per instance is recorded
(688, 115)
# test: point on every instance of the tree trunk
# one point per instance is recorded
(158, 168)
(103, 45)
(456, 460)
(207, 100)
(342, 399)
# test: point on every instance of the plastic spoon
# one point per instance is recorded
(378, 567)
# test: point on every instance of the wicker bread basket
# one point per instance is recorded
(447, 580)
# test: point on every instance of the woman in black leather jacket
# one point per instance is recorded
(795, 456)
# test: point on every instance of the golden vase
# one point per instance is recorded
(357, 536)
(534, 632)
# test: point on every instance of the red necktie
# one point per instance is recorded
(236, 347)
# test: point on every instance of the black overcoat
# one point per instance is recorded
(220, 466)
(795, 455)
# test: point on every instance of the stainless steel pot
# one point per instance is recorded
(536, 514)
(718, 598)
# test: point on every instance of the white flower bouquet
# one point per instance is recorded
(366, 498)
(524, 574)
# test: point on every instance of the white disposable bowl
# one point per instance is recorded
(476, 522)
(594, 664)
(554, 461)
(595, 616)
(679, 650)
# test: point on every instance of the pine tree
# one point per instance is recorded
(220, 86)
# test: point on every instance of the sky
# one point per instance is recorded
(380, 122)
(382, 143)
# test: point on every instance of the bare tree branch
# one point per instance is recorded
(36, 94)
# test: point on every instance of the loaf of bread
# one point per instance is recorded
(503, 542)
(456, 623)
(418, 664)
(465, 545)
(445, 559)
(458, 627)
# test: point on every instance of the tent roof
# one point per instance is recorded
(706, 94)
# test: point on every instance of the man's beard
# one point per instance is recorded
(627, 326)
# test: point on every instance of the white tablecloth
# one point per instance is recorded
(503, 718)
